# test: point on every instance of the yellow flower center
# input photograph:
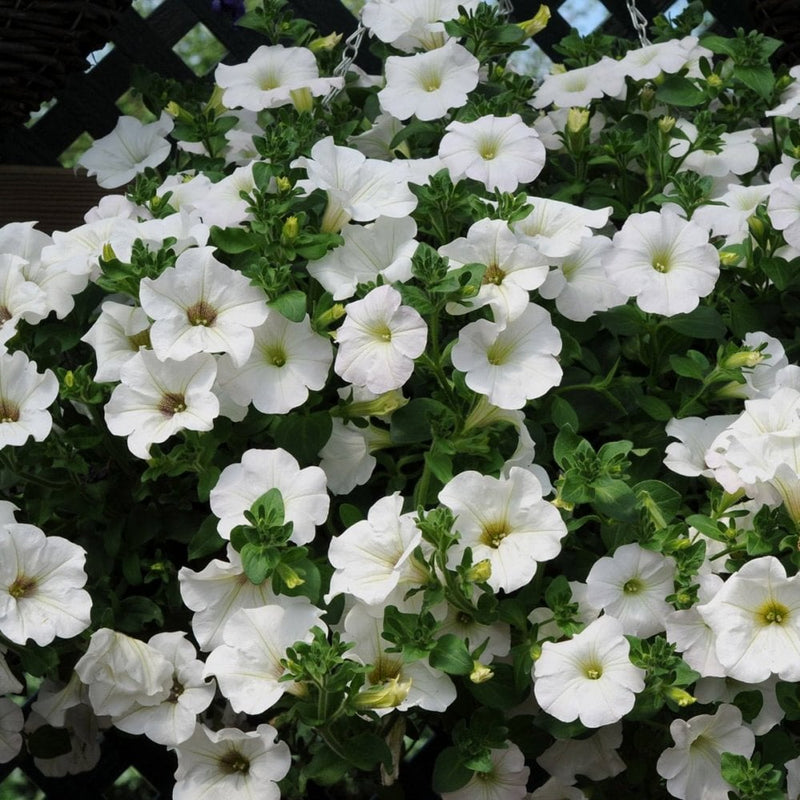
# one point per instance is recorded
(494, 532)
(772, 612)
(233, 761)
(593, 671)
(201, 314)
(22, 586)
(493, 275)
(171, 404)
(9, 412)
(632, 586)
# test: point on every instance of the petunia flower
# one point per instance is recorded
(20, 298)
(11, 724)
(118, 334)
(156, 399)
(506, 780)
(231, 765)
(499, 152)
(784, 210)
(239, 485)
(128, 150)
(512, 362)
(379, 340)
(589, 677)
(41, 586)
(578, 87)
(663, 261)
(426, 85)
(202, 306)
(270, 76)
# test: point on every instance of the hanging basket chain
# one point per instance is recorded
(505, 7)
(352, 44)
(639, 22)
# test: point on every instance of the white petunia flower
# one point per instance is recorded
(375, 556)
(202, 306)
(506, 780)
(122, 671)
(506, 521)
(513, 268)
(578, 87)
(270, 77)
(784, 210)
(692, 766)
(173, 720)
(358, 187)
(695, 436)
(347, 456)
(632, 586)
(663, 261)
(789, 105)
(755, 618)
(426, 85)
(512, 362)
(738, 153)
(231, 765)
(128, 150)
(41, 586)
(579, 283)
(648, 62)
(305, 500)
(248, 665)
(595, 757)
(118, 334)
(287, 359)
(379, 340)
(11, 724)
(499, 152)
(20, 298)
(25, 395)
(729, 219)
(159, 398)
(384, 247)
(221, 203)
(589, 677)
(718, 689)
(216, 593)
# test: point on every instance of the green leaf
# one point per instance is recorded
(233, 240)
(366, 750)
(412, 423)
(136, 612)
(449, 772)
(257, 565)
(659, 500)
(623, 320)
(655, 408)
(563, 413)
(702, 323)
(350, 514)
(759, 78)
(440, 464)
(291, 304)
(679, 91)
(206, 480)
(304, 436)
(39, 661)
(450, 655)
(565, 445)
(500, 691)
(779, 271)
(206, 540)
(706, 526)
(686, 367)
(326, 767)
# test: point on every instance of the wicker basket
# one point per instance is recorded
(44, 41)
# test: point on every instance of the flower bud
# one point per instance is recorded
(178, 112)
(647, 97)
(757, 227)
(383, 695)
(336, 311)
(289, 576)
(480, 673)
(380, 406)
(69, 379)
(215, 101)
(666, 124)
(715, 81)
(680, 696)
(577, 119)
(302, 99)
(536, 23)
(324, 44)
(480, 572)
(728, 258)
(283, 184)
(744, 358)
(108, 252)
(290, 228)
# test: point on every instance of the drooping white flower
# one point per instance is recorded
(426, 85)
(513, 268)
(410, 25)
(122, 671)
(25, 395)
(231, 765)
(512, 362)
(695, 436)
(159, 398)
(738, 153)
(663, 261)
(305, 500)
(128, 150)
(216, 593)
(118, 333)
(287, 360)
(506, 780)
(270, 76)
(556, 228)
(248, 665)
(222, 203)
(596, 757)
(717, 689)
(379, 340)
(789, 105)
(579, 283)
(11, 723)
(20, 298)
(692, 766)
(202, 306)
(358, 187)
(729, 213)
(506, 521)
(384, 247)
(784, 210)
(632, 586)
(41, 586)
(578, 87)
(589, 677)
(375, 556)
(648, 62)
(499, 152)
(347, 458)
(755, 618)
(173, 720)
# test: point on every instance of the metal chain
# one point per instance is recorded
(639, 22)
(352, 44)
(505, 7)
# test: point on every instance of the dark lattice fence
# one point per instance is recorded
(87, 102)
